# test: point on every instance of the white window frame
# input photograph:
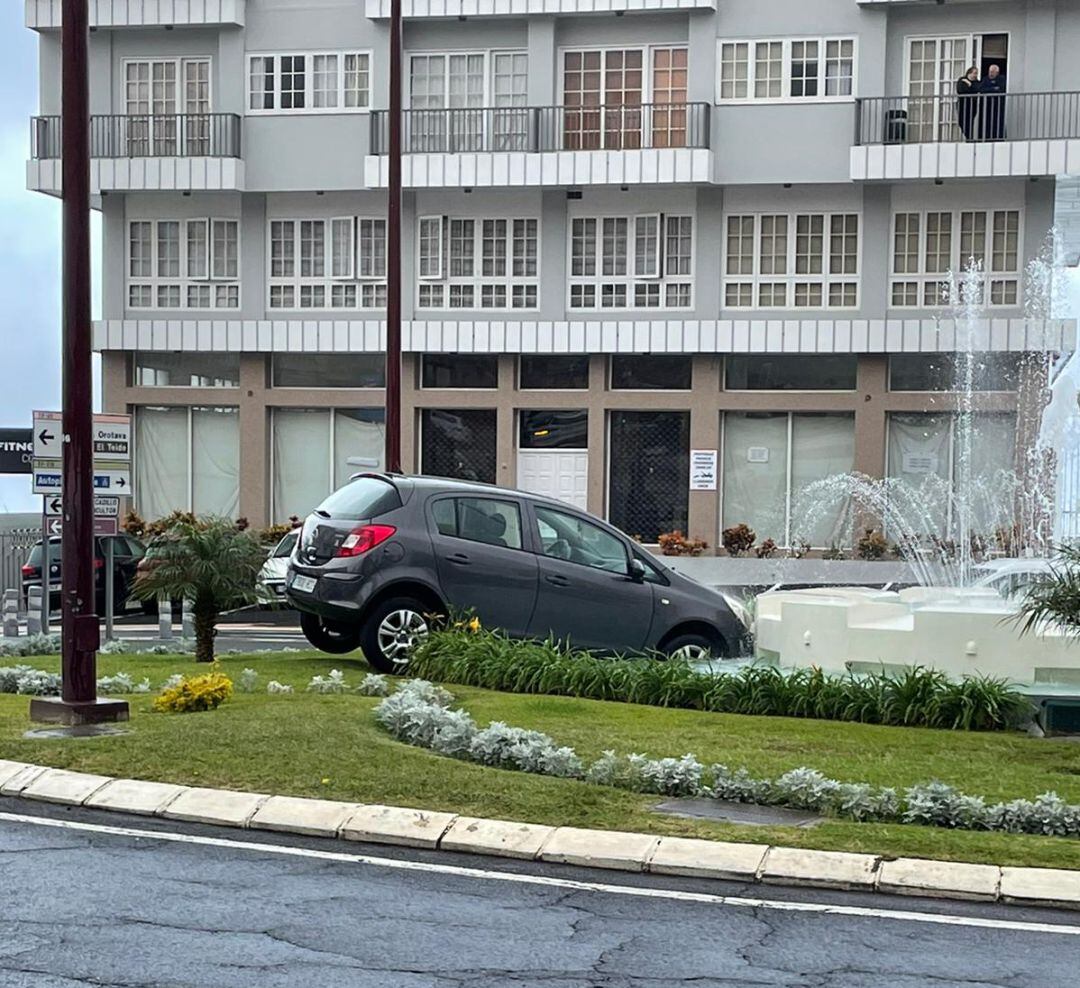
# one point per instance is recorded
(488, 54)
(309, 82)
(826, 278)
(181, 89)
(630, 280)
(185, 278)
(327, 281)
(957, 263)
(443, 282)
(786, 76)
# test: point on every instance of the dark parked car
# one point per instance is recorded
(127, 552)
(383, 554)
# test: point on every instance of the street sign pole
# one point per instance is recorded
(46, 579)
(78, 703)
(393, 250)
(110, 589)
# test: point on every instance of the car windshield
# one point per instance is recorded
(34, 559)
(361, 499)
(285, 546)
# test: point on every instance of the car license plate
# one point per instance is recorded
(304, 583)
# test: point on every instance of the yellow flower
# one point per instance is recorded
(326, 782)
(474, 625)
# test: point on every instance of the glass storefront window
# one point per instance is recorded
(312, 448)
(328, 370)
(942, 372)
(645, 372)
(187, 459)
(770, 458)
(554, 373)
(556, 429)
(648, 491)
(458, 443)
(185, 370)
(790, 372)
(459, 370)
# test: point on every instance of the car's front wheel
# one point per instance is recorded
(392, 630)
(330, 636)
(693, 647)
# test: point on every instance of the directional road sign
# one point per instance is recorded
(54, 527)
(105, 506)
(110, 477)
(48, 435)
(112, 437)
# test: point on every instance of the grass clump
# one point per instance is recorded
(918, 698)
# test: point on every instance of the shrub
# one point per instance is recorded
(30, 645)
(121, 683)
(917, 697)
(275, 688)
(333, 683)
(204, 692)
(766, 550)
(871, 545)
(738, 539)
(677, 544)
(834, 552)
(28, 681)
(374, 684)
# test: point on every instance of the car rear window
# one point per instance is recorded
(360, 499)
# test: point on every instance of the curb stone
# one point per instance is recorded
(720, 860)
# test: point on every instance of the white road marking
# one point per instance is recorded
(482, 874)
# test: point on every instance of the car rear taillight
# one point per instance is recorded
(98, 563)
(361, 539)
(28, 571)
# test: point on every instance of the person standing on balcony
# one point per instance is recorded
(967, 106)
(992, 89)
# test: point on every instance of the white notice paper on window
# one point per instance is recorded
(703, 469)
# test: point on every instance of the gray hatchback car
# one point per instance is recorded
(383, 554)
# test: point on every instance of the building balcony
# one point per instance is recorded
(44, 15)
(918, 137)
(380, 9)
(546, 146)
(183, 152)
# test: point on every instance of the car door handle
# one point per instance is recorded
(557, 581)
(459, 558)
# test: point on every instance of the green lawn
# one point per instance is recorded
(291, 744)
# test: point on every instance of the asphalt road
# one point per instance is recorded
(174, 905)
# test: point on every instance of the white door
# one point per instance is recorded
(933, 66)
(558, 473)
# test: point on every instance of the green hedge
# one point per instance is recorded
(919, 697)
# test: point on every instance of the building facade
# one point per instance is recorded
(631, 229)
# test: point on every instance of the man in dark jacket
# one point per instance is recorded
(992, 90)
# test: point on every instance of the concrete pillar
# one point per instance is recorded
(410, 417)
(598, 433)
(165, 616)
(255, 439)
(187, 621)
(11, 613)
(876, 236)
(870, 417)
(34, 598)
(704, 506)
(505, 426)
(543, 71)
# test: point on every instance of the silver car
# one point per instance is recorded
(272, 575)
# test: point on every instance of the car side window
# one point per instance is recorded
(565, 536)
(479, 519)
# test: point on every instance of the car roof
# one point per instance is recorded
(437, 485)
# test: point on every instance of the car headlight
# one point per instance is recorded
(739, 609)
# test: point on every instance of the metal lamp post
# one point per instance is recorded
(78, 703)
(393, 251)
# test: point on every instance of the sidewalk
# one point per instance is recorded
(1054, 888)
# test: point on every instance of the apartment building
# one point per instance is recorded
(632, 229)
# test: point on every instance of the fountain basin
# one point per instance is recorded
(958, 631)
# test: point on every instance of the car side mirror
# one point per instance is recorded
(636, 570)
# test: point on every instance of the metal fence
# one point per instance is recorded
(196, 135)
(15, 546)
(546, 128)
(978, 118)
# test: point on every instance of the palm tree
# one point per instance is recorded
(209, 561)
(1056, 597)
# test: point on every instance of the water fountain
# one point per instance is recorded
(946, 524)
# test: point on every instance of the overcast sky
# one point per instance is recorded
(29, 255)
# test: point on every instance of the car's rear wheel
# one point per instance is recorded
(330, 636)
(693, 647)
(392, 630)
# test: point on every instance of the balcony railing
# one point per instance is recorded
(176, 135)
(978, 118)
(546, 128)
